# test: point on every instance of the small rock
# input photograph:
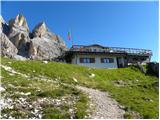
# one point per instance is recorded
(1, 77)
(75, 80)
(28, 93)
(18, 57)
(1, 89)
(10, 107)
(70, 110)
(40, 116)
(137, 80)
(10, 117)
(11, 74)
(10, 85)
(36, 110)
(45, 62)
(38, 90)
(92, 75)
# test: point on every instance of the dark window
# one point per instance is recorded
(92, 60)
(87, 60)
(111, 60)
(107, 60)
(143, 58)
(87, 50)
(81, 60)
(135, 59)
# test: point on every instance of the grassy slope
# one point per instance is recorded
(15, 85)
(137, 88)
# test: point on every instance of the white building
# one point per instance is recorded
(97, 56)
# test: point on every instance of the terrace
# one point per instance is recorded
(113, 50)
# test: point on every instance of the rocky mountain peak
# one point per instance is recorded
(40, 29)
(19, 21)
(40, 44)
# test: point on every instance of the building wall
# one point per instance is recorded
(97, 63)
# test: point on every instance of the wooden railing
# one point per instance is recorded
(130, 51)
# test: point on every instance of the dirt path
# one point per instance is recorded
(105, 106)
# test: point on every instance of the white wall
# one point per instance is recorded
(97, 63)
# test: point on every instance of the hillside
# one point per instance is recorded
(47, 88)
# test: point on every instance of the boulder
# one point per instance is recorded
(19, 34)
(7, 47)
(18, 57)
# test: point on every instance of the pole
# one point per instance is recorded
(71, 37)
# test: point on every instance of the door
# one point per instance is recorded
(119, 62)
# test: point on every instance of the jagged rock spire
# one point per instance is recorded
(40, 29)
(40, 44)
(19, 21)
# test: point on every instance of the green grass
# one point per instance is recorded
(16, 84)
(81, 106)
(50, 113)
(134, 94)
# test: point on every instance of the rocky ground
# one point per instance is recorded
(101, 105)
(18, 104)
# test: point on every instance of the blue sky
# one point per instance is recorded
(117, 24)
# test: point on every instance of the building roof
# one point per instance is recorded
(109, 50)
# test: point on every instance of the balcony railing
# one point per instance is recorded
(129, 51)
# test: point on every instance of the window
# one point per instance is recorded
(107, 60)
(87, 60)
(135, 59)
(143, 58)
(94, 50)
(87, 50)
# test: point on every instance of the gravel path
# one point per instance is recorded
(105, 106)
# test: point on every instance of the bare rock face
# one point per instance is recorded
(39, 30)
(17, 42)
(19, 34)
(3, 26)
(1, 23)
(19, 21)
(45, 45)
(7, 47)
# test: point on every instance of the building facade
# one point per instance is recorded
(97, 56)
